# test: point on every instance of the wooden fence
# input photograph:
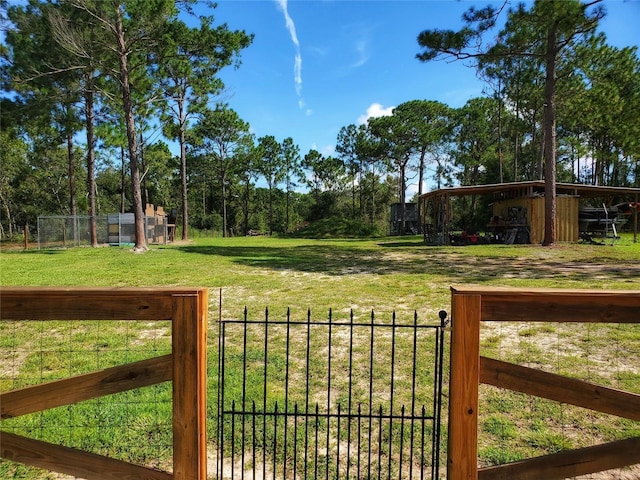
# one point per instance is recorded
(470, 307)
(186, 308)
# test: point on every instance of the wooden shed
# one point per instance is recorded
(518, 210)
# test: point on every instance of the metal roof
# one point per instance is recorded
(534, 187)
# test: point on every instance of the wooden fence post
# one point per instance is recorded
(462, 452)
(189, 378)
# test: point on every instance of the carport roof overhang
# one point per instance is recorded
(536, 186)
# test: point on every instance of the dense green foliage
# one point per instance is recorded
(62, 82)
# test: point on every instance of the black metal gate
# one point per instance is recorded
(329, 399)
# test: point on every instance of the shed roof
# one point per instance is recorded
(534, 187)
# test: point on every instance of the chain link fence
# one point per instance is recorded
(65, 231)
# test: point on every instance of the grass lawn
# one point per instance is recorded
(398, 274)
(387, 274)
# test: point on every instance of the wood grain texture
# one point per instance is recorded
(463, 388)
(71, 461)
(557, 305)
(85, 387)
(189, 384)
(472, 305)
(36, 303)
(568, 464)
(559, 388)
(187, 308)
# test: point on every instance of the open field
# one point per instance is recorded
(392, 274)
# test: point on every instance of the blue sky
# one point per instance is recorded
(318, 65)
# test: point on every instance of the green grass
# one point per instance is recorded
(385, 275)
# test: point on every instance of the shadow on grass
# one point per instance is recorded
(413, 258)
(44, 251)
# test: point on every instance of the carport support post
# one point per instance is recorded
(462, 451)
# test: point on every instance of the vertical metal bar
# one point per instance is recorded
(264, 394)
(275, 440)
(315, 455)
(350, 394)
(338, 445)
(392, 383)
(422, 420)
(443, 324)
(359, 438)
(436, 377)
(233, 436)
(253, 438)
(221, 373)
(413, 391)
(244, 386)
(328, 392)
(402, 418)
(370, 394)
(306, 398)
(286, 394)
(380, 442)
(295, 442)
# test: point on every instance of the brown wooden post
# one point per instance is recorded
(189, 378)
(26, 237)
(462, 452)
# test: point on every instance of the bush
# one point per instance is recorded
(337, 227)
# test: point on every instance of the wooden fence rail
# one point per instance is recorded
(470, 307)
(186, 308)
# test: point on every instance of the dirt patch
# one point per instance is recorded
(631, 473)
(11, 362)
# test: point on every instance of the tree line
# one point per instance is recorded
(127, 76)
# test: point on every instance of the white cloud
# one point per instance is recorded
(362, 51)
(327, 150)
(297, 63)
(302, 106)
(297, 73)
(375, 110)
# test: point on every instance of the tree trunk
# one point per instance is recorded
(270, 207)
(183, 172)
(72, 184)
(72, 174)
(7, 211)
(123, 181)
(550, 139)
(245, 205)
(353, 195)
(516, 140)
(223, 179)
(373, 192)
(145, 192)
(288, 206)
(91, 175)
(360, 191)
(402, 197)
(500, 159)
(140, 240)
(420, 182)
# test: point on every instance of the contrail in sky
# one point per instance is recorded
(297, 66)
